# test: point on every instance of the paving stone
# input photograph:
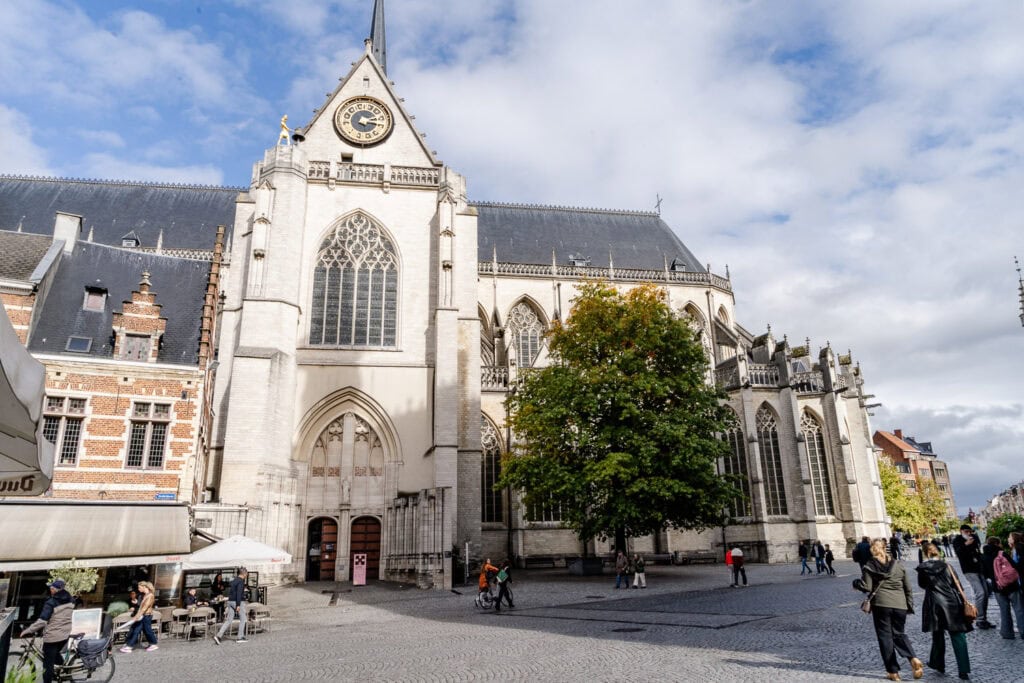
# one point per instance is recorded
(687, 626)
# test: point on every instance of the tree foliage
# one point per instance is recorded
(620, 429)
(78, 579)
(904, 506)
(933, 505)
(1003, 525)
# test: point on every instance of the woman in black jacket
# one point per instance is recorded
(943, 611)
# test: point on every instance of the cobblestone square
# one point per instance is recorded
(687, 626)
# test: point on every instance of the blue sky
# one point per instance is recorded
(857, 165)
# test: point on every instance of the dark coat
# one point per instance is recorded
(802, 550)
(969, 555)
(988, 557)
(893, 585)
(943, 608)
(819, 551)
(55, 618)
(236, 591)
(862, 552)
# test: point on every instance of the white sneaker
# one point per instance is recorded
(152, 647)
(127, 650)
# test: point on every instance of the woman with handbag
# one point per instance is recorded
(890, 599)
(945, 610)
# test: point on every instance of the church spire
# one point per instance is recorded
(377, 39)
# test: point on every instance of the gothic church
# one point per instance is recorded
(372, 319)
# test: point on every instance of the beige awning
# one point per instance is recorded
(26, 458)
(42, 534)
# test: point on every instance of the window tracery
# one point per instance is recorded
(771, 462)
(526, 329)
(736, 465)
(492, 505)
(355, 286)
(821, 484)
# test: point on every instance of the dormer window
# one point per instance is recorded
(131, 240)
(79, 344)
(95, 299)
(677, 266)
(579, 260)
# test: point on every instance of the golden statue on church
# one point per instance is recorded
(285, 131)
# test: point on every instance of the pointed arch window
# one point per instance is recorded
(355, 286)
(771, 462)
(736, 464)
(492, 504)
(821, 483)
(527, 330)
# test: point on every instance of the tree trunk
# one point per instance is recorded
(620, 541)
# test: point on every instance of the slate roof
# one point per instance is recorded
(528, 234)
(20, 253)
(188, 214)
(179, 285)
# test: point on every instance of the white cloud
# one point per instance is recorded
(103, 165)
(20, 153)
(102, 138)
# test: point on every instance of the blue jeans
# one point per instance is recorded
(144, 625)
(1005, 620)
(803, 566)
(819, 562)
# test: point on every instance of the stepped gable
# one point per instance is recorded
(188, 214)
(179, 285)
(21, 253)
(527, 234)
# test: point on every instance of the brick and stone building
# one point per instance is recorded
(372, 319)
(916, 460)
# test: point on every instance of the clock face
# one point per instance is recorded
(363, 121)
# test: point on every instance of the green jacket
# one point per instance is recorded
(893, 585)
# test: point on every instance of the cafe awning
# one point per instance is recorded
(42, 534)
(26, 458)
(236, 551)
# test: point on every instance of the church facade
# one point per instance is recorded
(373, 320)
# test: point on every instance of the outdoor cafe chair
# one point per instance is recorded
(179, 622)
(259, 617)
(199, 621)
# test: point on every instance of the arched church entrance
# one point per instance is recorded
(321, 549)
(366, 539)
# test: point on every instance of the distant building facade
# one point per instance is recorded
(1008, 502)
(916, 460)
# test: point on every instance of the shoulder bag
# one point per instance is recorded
(866, 605)
(970, 612)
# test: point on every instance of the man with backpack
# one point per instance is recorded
(967, 547)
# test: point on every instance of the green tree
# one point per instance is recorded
(904, 506)
(1003, 525)
(78, 579)
(932, 504)
(620, 429)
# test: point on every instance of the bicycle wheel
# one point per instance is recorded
(78, 673)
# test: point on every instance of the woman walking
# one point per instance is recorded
(1006, 576)
(143, 621)
(891, 600)
(943, 611)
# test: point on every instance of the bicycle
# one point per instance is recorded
(70, 666)
(486, 600)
